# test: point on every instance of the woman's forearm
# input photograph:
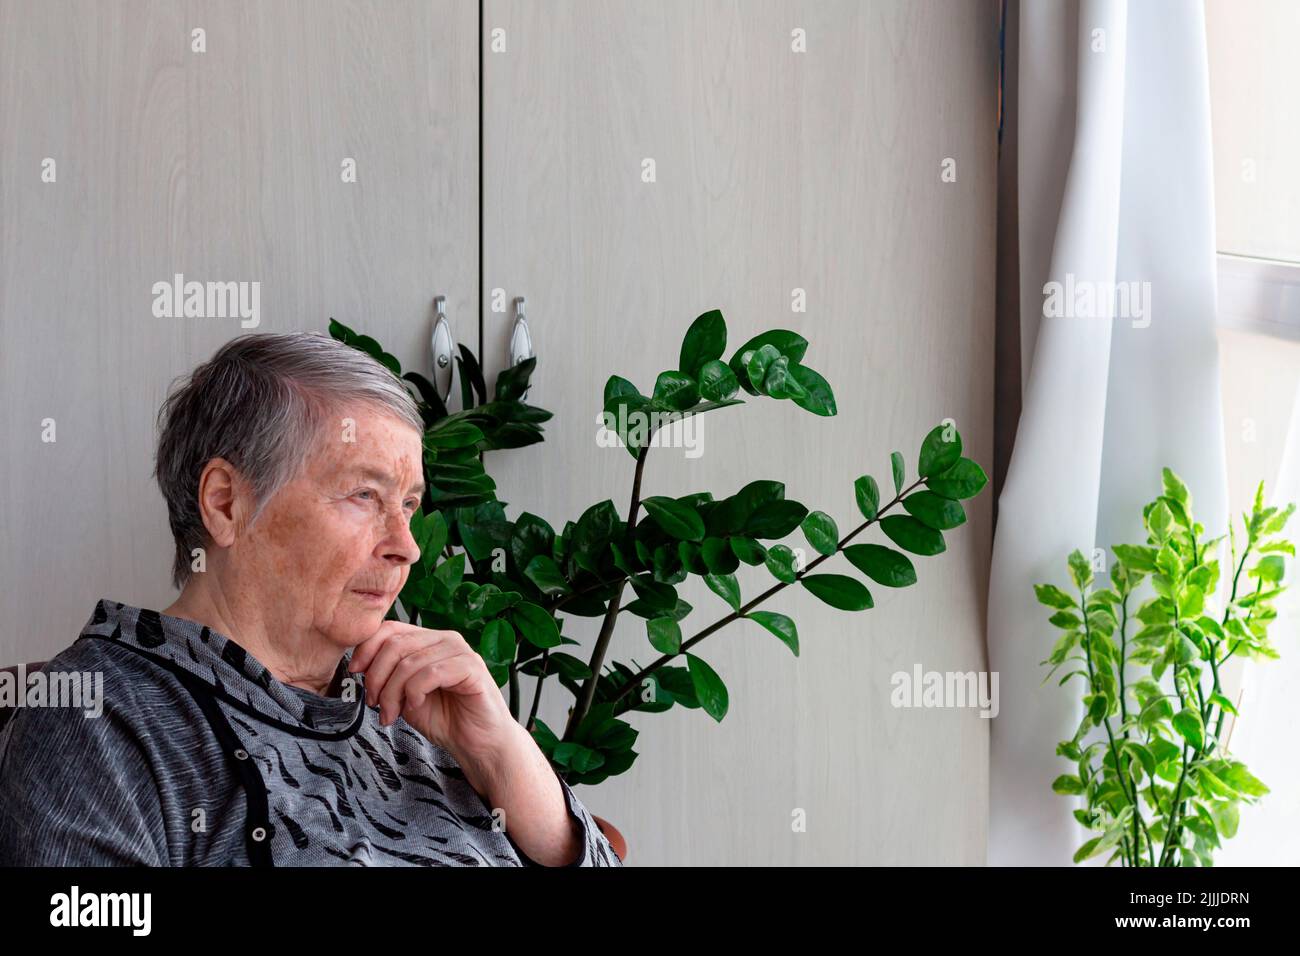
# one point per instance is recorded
(519, 780)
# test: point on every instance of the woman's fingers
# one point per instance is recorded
(394, 648)
(365, 652)
(416, 675)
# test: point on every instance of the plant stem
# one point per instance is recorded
(514, 691)
(1123, 655)
(1179, 808)
(1123, 715)
(1175, 808)
(583, 705)
(537, 690)
(1105, 720)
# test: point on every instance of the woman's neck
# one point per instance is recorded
(294, 655)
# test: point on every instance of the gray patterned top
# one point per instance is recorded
(201, 758)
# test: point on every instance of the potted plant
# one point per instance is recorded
(507, 584)
(1159, 783)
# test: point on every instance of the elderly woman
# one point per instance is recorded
(271, 715)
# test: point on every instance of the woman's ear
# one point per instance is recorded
(224, 501)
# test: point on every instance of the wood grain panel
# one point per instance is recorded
(222, 165)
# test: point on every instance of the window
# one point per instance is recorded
(1254, 75)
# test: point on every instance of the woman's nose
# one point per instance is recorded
(400, 543)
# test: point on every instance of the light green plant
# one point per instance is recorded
(1161, 785)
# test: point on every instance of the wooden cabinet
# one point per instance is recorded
(641, 163)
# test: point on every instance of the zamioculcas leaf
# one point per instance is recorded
(780, 625)
(748, 550)
(535, 624)
(718, 557)
(545, 573)
(757, 364)
(817, 396)
(717, 382)
(779, 382)
(594, 528)
(705, 341)
(963, 480)
(935, 511)
(726, 587)
(883, 565)
(820, 530)
(868, 496)
(939, 451)
(676, 390)
(498, 642)
(780, 561)
(650, 608)
(665, 634)
(839, 591)
(678, 520)
(656, 594)
(896, 461)
(617, 387)
(775, 519)
(531, 536)
(709, 689)
(789, 344)
(732, 512)
(910, 535)
(341, 332)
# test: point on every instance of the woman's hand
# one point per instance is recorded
(439, 685)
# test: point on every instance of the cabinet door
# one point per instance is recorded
(779, 177)
(226, 165)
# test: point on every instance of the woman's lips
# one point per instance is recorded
(372, 597)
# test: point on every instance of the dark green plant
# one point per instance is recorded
(1166, 790)
(511, 583)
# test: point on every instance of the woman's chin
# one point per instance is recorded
(359, 621)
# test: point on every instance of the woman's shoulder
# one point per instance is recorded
(126, 673)
(92, 677)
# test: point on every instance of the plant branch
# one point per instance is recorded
(588, 692)
(744, 609)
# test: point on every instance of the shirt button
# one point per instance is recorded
(241, 754)
(258, 834)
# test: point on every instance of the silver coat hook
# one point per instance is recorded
(443, 347)
(521, 339)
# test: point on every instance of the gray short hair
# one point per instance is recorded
(260, 403)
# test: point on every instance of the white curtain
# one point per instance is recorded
(1115, 186)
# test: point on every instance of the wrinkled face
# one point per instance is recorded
(333, 547)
